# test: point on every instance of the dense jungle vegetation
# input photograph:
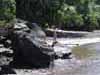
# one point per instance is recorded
(64, 14)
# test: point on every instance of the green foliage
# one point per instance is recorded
(98, 1)
(69, 17)
(7, 9)
(92, 21)
(7, 12)
(67, 14)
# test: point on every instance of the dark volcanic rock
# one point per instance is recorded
(30, 48)
(6, 70)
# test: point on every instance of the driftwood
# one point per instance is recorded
(62, 33)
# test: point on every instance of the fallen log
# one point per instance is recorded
(62, 33)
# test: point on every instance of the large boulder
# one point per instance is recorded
(29, 45)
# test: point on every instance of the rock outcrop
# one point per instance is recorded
(30, 47)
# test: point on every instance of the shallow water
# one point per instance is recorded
(84, 66)
(90, 65)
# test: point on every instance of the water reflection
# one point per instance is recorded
(82, 52)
